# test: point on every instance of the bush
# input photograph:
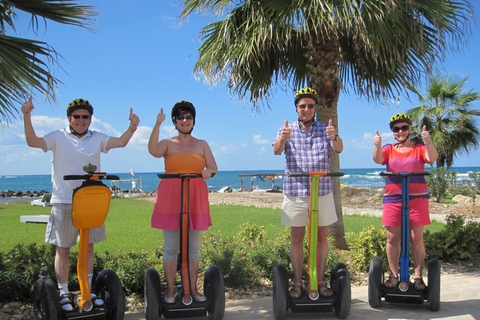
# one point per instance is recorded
(457, 242)
(366, 244)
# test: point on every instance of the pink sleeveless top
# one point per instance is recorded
(166, 214)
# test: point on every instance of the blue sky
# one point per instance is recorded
(140, 57)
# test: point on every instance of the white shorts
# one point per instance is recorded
(295, 210)
(60, 230)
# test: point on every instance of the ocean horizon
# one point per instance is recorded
(258, 180)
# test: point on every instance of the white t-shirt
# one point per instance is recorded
(70, 155)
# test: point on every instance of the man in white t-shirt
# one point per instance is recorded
(73, 147)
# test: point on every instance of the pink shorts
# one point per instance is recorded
(392, 213)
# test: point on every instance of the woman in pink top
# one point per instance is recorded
(405, 156)
(183, 154)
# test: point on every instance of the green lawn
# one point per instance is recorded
(128, 224)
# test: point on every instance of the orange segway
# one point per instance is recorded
(310, 299)
(90, 205)
(184, 305)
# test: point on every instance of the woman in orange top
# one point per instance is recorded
(183, 154)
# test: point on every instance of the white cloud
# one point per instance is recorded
(257, 139)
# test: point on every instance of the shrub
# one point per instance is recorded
(458, 241)
(366, 244)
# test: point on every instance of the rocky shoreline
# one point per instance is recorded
(22, 194)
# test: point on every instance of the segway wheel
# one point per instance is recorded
(109, 288)
(434, 284)
(214, 290)
(343, 294)
(280, 292)
(375, 280)
(46, 305)
(152, 294)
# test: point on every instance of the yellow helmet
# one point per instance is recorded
(79, 104)
(306, 93)
(400, 117)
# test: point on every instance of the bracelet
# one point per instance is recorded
(336, 137)
(427, 143)
(132, 129)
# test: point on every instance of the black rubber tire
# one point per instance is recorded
(46, 305)
(214, 290)
(280, 292)
(109, 288)
(344, 296)
(434, 284)
(335, 269)
(375, 280)
(153, 295)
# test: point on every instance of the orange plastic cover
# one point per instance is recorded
(90, 206)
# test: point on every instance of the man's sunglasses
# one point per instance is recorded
(181, 118)
(403, 128)
(303, 106)
(84, 116)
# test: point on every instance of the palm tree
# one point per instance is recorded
(375, 46)
(25, 64)
(446, 110)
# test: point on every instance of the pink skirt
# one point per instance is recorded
(168, 205)
(392, 213)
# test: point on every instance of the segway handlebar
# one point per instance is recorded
(322, 174)
(419, 173)
(91, 176)
(180, 175)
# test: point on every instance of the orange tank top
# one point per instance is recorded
(184, 163)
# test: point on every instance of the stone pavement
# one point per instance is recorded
(460, 300)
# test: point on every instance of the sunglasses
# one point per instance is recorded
(403, 128)
(84, 116)
(303, 106)
(181, 118)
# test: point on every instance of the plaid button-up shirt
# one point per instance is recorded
(307, 152)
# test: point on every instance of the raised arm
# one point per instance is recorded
(122, 141)
(377, 150)
(279, 144)
(432, 153)
(32, 139)
(155, 147)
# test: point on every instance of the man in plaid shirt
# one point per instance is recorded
(307, 145)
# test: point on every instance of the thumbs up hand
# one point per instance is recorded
(286, 132)
(377, 140)
(331, 131)
(134, 120)
(426, 136)
(161, 116)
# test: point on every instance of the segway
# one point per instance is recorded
(184, 305)
(310, 299)
(405, 291)
(90, 205)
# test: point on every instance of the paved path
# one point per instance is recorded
(460, 300)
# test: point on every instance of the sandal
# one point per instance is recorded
(296, 290)
(66, 303)
(392, 281)
(419, 284)
(324, 291)
(97, 302)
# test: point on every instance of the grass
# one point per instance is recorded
(128, 224)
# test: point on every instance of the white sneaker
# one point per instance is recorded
(97, 302)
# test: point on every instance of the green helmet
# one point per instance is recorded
(400, 117)
(79, 104)
(306, 93)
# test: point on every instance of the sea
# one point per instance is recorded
(256, 180)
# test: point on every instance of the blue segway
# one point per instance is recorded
(405, 291)
(310, 299)
(185, 306)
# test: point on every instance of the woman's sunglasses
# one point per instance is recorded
(181, 118)
(403, 128)
(84, 116)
